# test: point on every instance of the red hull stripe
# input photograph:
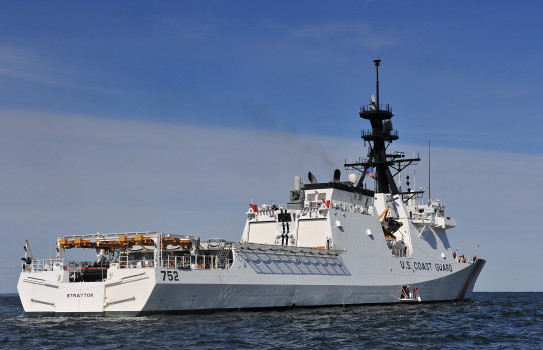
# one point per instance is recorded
(473, 273)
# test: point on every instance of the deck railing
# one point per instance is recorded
(46, 264)
(179, 262)
(197, 262)
(400, 253)
(374, 107)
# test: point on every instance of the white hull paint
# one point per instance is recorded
(140, 291)
(334, 243)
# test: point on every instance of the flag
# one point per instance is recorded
(370, 172)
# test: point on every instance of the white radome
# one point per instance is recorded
(352, 178)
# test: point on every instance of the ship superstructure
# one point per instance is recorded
(333, 243)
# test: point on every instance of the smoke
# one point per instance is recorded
(311, 149)
(259, 116)
(263, 119)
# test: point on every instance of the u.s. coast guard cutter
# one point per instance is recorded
(334, 243)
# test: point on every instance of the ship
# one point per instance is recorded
(361, 240)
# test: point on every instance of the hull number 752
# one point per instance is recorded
(170, 275)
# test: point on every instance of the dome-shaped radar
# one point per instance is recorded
(352, 178)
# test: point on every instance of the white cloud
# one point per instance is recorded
(29, 66)
(359, 34)
(75, 174)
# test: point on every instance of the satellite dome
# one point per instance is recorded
(352, 178)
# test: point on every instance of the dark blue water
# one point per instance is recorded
(489, 320)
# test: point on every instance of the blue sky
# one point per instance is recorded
(96, 96)
(461, 72)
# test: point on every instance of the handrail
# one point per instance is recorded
(374, 107)
(367, 132)
(399, 253)
(204, 261)
(47, 264)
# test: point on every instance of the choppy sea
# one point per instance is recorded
(489, 321)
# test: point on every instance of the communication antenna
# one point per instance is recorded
(414, 174)
(429, 175)
(377, 63)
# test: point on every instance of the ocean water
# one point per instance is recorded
(489, 321)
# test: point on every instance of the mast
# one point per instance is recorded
(378, 138)
(429, 175)
(381, 132)
(377, 64)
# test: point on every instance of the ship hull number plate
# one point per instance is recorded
(172, 276)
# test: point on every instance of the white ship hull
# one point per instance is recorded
(132, 292)
(334, 243)
(359, 268)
